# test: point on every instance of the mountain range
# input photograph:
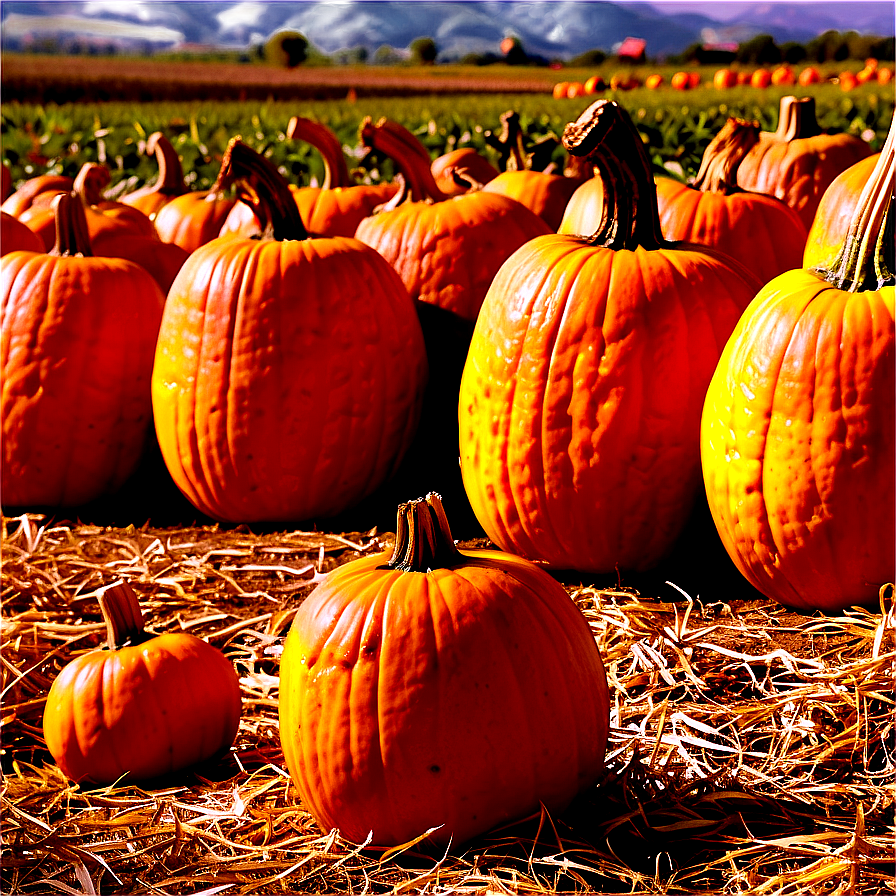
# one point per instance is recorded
(554, 29)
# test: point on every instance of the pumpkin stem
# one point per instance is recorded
(72, 235)
(409, 154)
(120, 607)
(866, 260)
(423, 539)
(606, 136)
(796, 119)
(91, 180)
(170, 181)
(723, 155)
(261, 186)
(327, 144)
(511, 146)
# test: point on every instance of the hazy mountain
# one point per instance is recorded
(550, 28)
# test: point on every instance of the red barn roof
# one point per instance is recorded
(633, 47)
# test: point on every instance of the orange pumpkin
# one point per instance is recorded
(24, 196)
(652, 82)
(798, 437)
(724, 78)
(14, 235)
(470, 166)
(289, 370)
(797, 162)
(761, 78)
(170, 182)
(146, 706)
(760, 231)
(78, 336)
(439, 691)
(581, 395)
(680, 81)
(809, 75)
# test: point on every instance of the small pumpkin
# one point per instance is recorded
(24, 196)
(798, 435)
(78, 337)
(147, 705)
(580, 400)
(289, 370)
(797, 162)
(438, 690)
(170, 183)
(470, 166)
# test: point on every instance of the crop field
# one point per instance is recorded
(751, 746)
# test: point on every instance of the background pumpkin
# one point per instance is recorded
(439, 689)
(170, 183)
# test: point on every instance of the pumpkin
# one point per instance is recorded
(147, 705)
(760, 231)
(831, 222)
(78, 336)
(24, 196)
(15, 235)
(161, 260)
(526, 177)
(724, 78)
(468, 163)
(170, 183)
(798, 437)
(580, 401)
(446, 249)
(439, 691)
(5, 182)
(797, 162)
(289, 370)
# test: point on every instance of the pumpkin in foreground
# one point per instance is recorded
(147, 705)
(439, 690)
(798, 428)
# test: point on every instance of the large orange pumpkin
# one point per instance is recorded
(760, 231)
(289, 370)
(797, 162)
(146, 706)
(799, 429)
(446, 249)
(581, 396)
(439, 690)
(78, 336)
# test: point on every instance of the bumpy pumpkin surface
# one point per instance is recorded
(439, 689)
(145, 706)
(288, 374)
(797, 436)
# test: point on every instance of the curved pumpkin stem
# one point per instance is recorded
(72, 235)
(170, 181)
(866, 260)
(91, 180)
(409, 154)
(120, 607)
(512, 150)
(261, 186)
(423, 539)
(796, 119)
(723, 155)
(606, 136)
(327, 144)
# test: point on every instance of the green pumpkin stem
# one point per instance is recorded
(866, 260)
(261, 186)
(170, 181)
(327, 144)
(605, 135)
(423, 539)
(120, 607)
(72, 235)
(723, 155)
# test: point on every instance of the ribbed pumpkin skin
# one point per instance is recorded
(339, 210)
(580, 399)
(757, 230)
(78, 337)
(193, 219)
(831, 222)
(448, 252)
(288, 377)
(148, 709)
(459, 697)
(544, 194)
(798, 172)
(797, 443)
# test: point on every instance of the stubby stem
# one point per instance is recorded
(72, 235)
(327, 144)
(605, 135)
(423, 539)
(170, 181)
(866, 260)
(261, 186)
(120, 607)
(409, 154)
(796, 119)
(723, 155)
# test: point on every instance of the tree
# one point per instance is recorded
(424, 50)
(760, 50)
(287, 48)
